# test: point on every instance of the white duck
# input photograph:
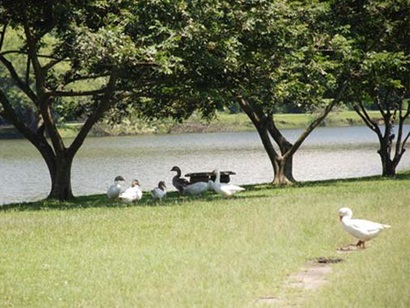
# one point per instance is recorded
(224, 189)
(115, 189)
(364, 230)
(159, 192)
(196, 188)
(178, 182)
(133, 193)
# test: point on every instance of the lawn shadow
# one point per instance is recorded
(173, 198)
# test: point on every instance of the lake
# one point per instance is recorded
(328, 153)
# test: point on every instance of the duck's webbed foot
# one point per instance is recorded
(360, 244)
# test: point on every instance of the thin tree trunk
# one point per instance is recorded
(386, 139)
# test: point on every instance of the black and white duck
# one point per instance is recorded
(159, 192)
(178, 182)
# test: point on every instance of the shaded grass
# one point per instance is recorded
(209, 252)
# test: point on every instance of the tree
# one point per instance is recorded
(379, 35)
(288, 57)
(264, 56)
(76, 53)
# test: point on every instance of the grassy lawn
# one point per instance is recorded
(209, 252)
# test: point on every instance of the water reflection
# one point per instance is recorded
(328, 153)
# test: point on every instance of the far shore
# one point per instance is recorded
(223, 122)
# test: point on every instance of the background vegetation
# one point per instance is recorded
(224, 121)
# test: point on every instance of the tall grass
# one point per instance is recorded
(208, 252)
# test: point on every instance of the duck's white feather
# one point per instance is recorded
(131, 194)
(224, 189)
(196, 188)
(159, 192)
(115, 189)
(362, 229)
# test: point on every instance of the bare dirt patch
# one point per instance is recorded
(311, 277)
(348, 249)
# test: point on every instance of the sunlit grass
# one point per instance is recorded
(210, 252)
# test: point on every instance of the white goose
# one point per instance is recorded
(224, 189)
(196, 188)
(115, 189)
(159, 192)
(133, 193)
(364, 230)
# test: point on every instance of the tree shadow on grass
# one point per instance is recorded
(101, 201)
(263, 190)
(403, 176)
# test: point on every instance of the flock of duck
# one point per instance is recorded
(363, 230)
(134, 193)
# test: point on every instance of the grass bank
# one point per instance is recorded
(222, 122)
(209, 252)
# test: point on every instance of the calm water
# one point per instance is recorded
(328, 153)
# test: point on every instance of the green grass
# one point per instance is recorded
(209, 252)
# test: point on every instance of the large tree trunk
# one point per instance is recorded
(283, 171)
(61, 179)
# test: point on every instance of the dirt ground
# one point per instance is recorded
(311, 277)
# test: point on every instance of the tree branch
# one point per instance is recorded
(19, 82)
(400, 145)
(380, 107)
(52, 62)
(317, 121)
(8, 112)
(96, 114)
(365, 117)
(72, 93)
(260, 122)
(3, 35)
